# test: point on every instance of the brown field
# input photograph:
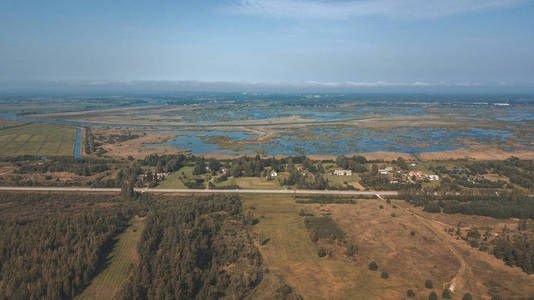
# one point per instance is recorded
(291, 257)
(481, 152)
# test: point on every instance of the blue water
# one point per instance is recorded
(196, 141)
(339, 141)
(77, 145)
(326, 139)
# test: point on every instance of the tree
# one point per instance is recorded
(446, 293)
(433, 296)
(467, 296)
(373, 266)
(429, 284)
(127, 191)
(384, 275)
(410, 293)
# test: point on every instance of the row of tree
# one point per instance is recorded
(196, 248)
(51, 246)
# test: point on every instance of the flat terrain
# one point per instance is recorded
(382, 235)
(189, 191)
(38, 139)
(121, 260)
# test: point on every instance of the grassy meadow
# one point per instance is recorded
(409, 245)
(38, 139)
(291, 257)
(121, 261)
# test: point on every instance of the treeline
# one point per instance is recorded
(304, 180)
(355, 163)
(80, 167)
(500, 204)
(166, 163)
(52, 245)
(520, 172)
(196, 248)
(516, 251)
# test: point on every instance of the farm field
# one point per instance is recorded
(121, 261)
(38, 139)
(172, 181)
(382, 235)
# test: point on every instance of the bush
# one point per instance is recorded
(467, 296)
(446, 294)
(410, 293)
(322, 252)
(433, 296)
(284, 290)
(384, 275)
(351, 250)
(373, 266)
(429, 284)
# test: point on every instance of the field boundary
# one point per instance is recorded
(205, 191)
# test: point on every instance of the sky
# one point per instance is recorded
(240, 44)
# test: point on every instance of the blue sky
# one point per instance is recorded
(312, 43)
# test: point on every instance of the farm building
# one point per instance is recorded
(343, 172)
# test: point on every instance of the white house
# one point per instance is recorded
(273, 173)
(343, 172)
(433, 177)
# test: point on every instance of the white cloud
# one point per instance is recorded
(320, 9)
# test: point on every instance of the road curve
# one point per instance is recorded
(144, 190)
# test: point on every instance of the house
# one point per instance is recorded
(343, 172)
(433, 177)
(383, 171)
(300, 168)
(224, 171)
(389, 169)
(161, 176)
(273, 173)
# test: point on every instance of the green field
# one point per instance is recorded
(38, 139)
(122, 259)
(173, 181)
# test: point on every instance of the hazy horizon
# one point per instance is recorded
(260, 45)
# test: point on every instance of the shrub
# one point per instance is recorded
(467, 296)
(351, 250)
(384, 275)
(323, 228)
(410, 293)
(433, 296)
(446, 293)
(322, 252)
(284, 290)
(373, 266)
(412, 233)
(429, 284)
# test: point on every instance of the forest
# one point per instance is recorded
(53, 244)
(195, 248)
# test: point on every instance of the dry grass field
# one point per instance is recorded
(121, 261)
(38, 139)
(383, 235)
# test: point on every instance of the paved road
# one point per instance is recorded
(143, 190)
